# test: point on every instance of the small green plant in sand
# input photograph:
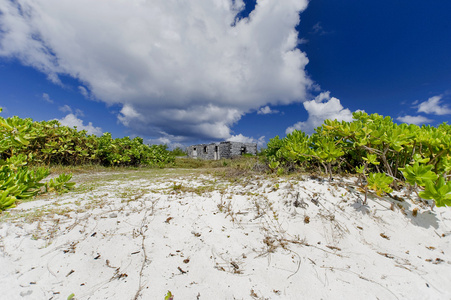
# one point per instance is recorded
(169, 296)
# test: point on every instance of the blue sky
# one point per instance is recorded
(215, 70)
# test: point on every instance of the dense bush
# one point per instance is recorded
(383, 153)
(51, 143)
(17, 181)
(24, 142)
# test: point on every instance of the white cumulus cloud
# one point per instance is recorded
(71, 120)
(180, 68)
(433, 106)
(417, 120)
(266, 111)
(261, 142)
(321, 108)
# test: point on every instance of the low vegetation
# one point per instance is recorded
(382, 154)
(28, 148)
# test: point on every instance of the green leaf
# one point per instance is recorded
(418, 158)
(360, 169)
(418, 174)
(440, 192)
(21, 140)
(328, 151)
(6, 200)
(380, 183)
(371, 158)
(273, 165)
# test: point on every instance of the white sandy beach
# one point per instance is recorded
(202, 237)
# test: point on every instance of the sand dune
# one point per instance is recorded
(138, 236)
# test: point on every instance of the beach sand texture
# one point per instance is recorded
(138, 235)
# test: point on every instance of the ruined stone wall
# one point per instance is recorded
(224, 150)
(251, 148)
(221, 150)
(202, 151)
(238, 149)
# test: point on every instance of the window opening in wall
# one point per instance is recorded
(243, 150)
(205, 149)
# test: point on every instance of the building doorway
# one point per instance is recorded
(216, 153)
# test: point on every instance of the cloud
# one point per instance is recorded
(165, 141)
(321, 108)
(65, 109)
(244, 139)
(432, 106)
(303, 41)
(83, 91)
(241, 138)
(318, 29)
(159, 141)
(261, 142)
(266, 111)
(178, 68)
(71, 120)
(79, 113)
(418, 120)
(46, 97)
(169, 140)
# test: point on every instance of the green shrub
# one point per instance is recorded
(24, 142)
(380, 151)
(17, 181)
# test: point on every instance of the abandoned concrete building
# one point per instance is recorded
(215, 151)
